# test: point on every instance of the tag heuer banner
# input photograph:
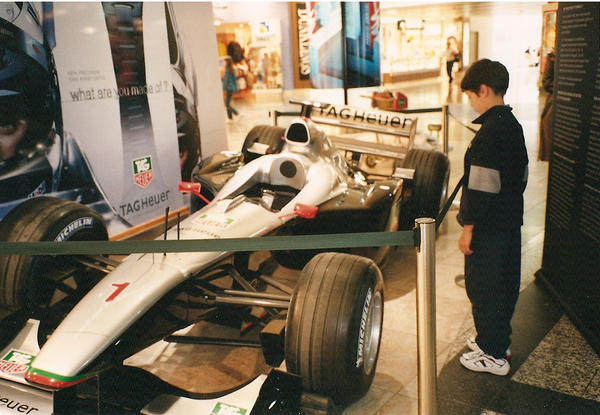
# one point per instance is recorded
(90, 105)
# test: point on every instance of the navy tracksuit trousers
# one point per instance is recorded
(492, 279)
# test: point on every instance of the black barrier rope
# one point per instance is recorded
(442, 214)
(269, 243)
(473, 130)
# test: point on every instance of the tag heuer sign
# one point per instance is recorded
(142, 171)
(10, 367)
(15, 362)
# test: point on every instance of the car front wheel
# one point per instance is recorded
(334, 325)
(34, 283)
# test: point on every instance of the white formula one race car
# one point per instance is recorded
(93, 312)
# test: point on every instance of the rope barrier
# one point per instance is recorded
(267, 243)
(444, 211)
(270, 243)
(473, 130)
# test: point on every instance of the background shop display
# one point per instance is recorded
(343, 44)
(549, 12)
(259, 66)
(414, 46)
(300, 36)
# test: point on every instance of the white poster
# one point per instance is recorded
(123, 103)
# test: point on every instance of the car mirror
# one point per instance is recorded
(305, 211)
(193, 188)
(189, 187)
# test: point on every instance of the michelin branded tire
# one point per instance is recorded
(31, 282)
(334, 325)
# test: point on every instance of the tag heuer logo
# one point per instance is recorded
(15, 362)
(10, 367)
(142, 171)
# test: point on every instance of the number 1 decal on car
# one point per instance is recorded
(119, 290)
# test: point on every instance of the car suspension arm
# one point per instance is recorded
(250, 301)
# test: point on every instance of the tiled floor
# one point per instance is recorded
(547, 365)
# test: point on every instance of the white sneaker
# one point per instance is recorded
(470, 355)
(472, 344)
(481, 362)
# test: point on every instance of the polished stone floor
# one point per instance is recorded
(554, 371)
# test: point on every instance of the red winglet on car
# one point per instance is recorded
(53, 380)
(193, 188)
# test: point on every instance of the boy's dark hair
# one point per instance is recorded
(485, 71)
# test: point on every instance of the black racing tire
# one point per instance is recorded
(207, 189)
(334, 326)
(263, 134)
(24, 282)
(429, 189)
(188, 135)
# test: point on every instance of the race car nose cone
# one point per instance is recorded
(59, 364)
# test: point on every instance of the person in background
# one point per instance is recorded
(491, 214)
(229, 86)
(450, 54)
(546, 120)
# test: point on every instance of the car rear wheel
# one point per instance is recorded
(33, 283)
(334, 325)
(426, 195)
(263, 134)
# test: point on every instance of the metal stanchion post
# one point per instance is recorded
(445, 124)
(426, 340)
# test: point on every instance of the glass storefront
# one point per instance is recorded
(259, 43)
(414, 48)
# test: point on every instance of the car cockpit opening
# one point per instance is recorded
(298, 133)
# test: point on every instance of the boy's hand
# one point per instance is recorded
(464, 242)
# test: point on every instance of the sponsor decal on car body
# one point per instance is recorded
(15, 362)
(227, 409)
(360, 116)
(213, 221)
(17, 406)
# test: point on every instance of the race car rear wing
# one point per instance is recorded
(374, 121)
(385, 122)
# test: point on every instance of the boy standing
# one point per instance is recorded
(491, 213)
